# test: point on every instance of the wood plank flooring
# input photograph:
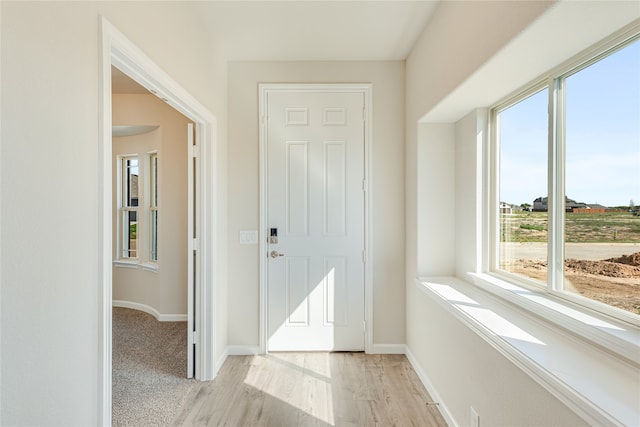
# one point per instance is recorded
(312, 389)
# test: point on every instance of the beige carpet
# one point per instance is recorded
(149, 369)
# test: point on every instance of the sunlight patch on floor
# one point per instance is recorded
(301, 382)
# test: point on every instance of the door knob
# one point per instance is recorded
(275, 254)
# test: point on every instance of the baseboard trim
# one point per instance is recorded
(172, 318)
(243, 350)
(150, 310)
(387, 349)
(433, 392)
(220, 362)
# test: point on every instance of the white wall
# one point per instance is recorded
(470, 133)
(387, 181)
(50, 179)
(164, 290)
(436, 200)
(468, 372)
(458, 40)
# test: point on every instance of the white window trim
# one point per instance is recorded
(149, 266)
(125, 263)
(615, 336)
(553, 290)
(154, 181)
(120, 258)
(142, 260)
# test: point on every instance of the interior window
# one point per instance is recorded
(129, 210)
(153, 208)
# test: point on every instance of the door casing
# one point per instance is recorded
(116, 49)
(366, 89)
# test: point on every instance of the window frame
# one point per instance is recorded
(153, 206)
(124, 209)
(144, 210)
(494, 179)
(554, 81)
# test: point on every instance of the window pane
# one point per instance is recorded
(154, 236)
(154, 181)
(131, 183)
(130, 231)
(522, 144)
(602, 226)
(153, 229)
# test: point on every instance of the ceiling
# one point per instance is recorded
(299, 30)
(314, 30)
(121, 83)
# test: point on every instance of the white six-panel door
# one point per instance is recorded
(315, 200)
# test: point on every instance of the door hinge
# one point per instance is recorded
(364, 326)
(194, 337)
(195, 151)
(364, 256)
(364, 185)
(195, 244)
(364, 114)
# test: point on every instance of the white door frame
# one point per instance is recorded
(366, 89)
(117, 50)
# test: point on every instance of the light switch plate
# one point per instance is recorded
(248, 237)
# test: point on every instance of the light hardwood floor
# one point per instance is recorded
(312, 389)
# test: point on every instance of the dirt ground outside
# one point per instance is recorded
(602, 253)
(609, 273)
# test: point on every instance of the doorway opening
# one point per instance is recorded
(152, 358)
(118, 51)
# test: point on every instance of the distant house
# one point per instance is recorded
(598, 207)
(505, 208)
(541, 205)
(592, 209)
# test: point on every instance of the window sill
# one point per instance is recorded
(599, 383)
(620, 338)
(121, 263)
(147, 266)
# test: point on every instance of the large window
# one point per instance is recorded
(568, 181)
